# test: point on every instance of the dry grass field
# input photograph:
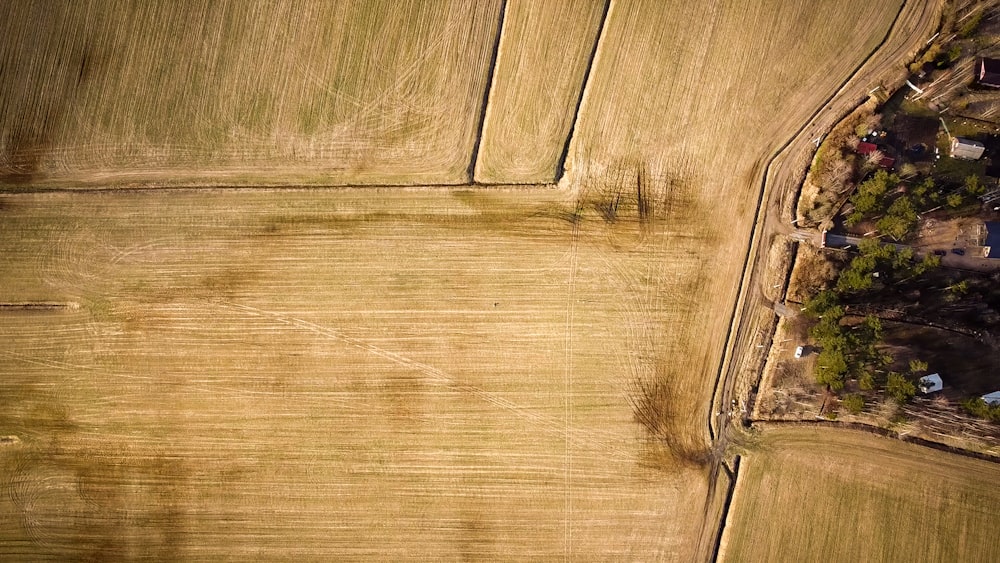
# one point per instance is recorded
(118, 92)
(420, 374)
(542, 61)
(672, 105)
(842, 495)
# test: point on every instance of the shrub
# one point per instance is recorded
(900, 388)
(854, 403)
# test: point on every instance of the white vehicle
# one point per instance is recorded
(798, 352)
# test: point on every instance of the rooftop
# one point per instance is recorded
(966, 148)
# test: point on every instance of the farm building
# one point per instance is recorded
(992, 243)
(966, 148)
(992, 398)
(988, 72)
(866, 149)
(931, 383)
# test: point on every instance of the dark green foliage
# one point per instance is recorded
(854, 403)
(974, 186)
(820, 303)
(831, 367)
(891, 264)
(900, 388)
(899, 220)
(870, 197)
(853, 350)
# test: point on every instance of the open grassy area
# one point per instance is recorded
(203, 92)
(850, 496)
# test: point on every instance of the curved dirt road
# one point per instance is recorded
(753, 320)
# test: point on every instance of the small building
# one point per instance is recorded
(992, 398)
(991, 246)
(931, 383)
(966, 149)
(988, 72)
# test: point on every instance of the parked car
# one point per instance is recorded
(959, 251)
(940, 252)
(798, 352)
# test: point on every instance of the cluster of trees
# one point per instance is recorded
(897, 385)
(897, 207)
(967, 194)
(884, 262)
(852, 350)
(845, 350)
(898, 216)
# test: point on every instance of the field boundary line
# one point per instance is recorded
(209, 188)
(734, 475)
(561, 163)
(490, 80)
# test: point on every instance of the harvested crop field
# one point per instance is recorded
(854, 496)
(117, 92)
(544, 55)
(673, 106)
(423, 374)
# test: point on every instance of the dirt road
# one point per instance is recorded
(781, 180)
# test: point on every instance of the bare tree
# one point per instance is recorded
(874, 158)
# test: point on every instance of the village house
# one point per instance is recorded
(866, 149)
(966, 149)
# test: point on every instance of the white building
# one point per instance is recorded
(966, 148)
(992, 398)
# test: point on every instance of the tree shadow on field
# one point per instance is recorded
(654, 406)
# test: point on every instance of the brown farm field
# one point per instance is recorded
(120, 92)
(383, 372)
(845, 495)
(418, 374)
(696, 120)
(542, 62)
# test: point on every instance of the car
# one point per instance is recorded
(959, 251)
(940, 252)
(798, 352)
